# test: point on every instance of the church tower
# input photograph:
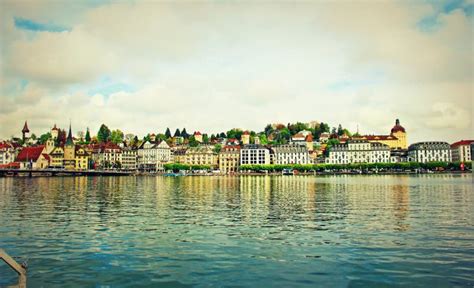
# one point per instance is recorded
(69, 151)
(25, 131)
(399, 132)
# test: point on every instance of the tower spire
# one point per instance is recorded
(69, 140)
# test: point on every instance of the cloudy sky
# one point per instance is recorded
(212, 66)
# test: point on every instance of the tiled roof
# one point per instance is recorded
(461, 143)
(379, 137)
(29, 153)
(46, 156)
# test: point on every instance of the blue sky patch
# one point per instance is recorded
(106, 87)
(27, 24)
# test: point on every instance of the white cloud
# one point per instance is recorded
(213, 66)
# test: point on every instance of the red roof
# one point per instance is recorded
(197, 133)
(46, 156)
(461, 143)
(55, 128)
(5, 146)
(397, 127)
(231, 147)
(29, 153)
(10, 165)
(309, 138)
(246, 133)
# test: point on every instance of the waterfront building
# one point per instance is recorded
(129, 158)
(254, 154)
(359, 151)
(229, 159)
(397, 139)
(291, 154)
(399, 155)
(201, 155)
(69, 152)
(82, 157)
(105, 155)
(198, 136)
(153, 156)
(179, 155)
(461, 151)
(33, 158)
(245, 138)
(57, 157)
(7, 153)
(433, 151)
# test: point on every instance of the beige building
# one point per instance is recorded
(179, 155)
(57, 157)
(245, 138)
(198, 136)
(461, 151)
(69, 152)
(396, 140)
(82, 159)
(229, 159)
(201, 155)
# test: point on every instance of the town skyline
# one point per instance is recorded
(143, 66)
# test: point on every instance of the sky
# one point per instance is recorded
(211, 66)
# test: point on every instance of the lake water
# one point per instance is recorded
(249, 231)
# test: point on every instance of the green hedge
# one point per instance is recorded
(363, 166)
(179, 166)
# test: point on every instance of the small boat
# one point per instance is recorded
(287, 172)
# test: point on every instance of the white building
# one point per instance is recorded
(129, 158)
(7, 153)
(359, 151)
(291, 154)
(254, 154)
(152, 156)
(106, 155)
(461, 151)
(434, 151)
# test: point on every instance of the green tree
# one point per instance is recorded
(168, 133)
(116, 136)
(324, 128)
(340, 131)
(88, 136)
(44, 137)
(234, 133)
(193, 142)
(217, 148)
(205, 138)
(33, 136)
(329, 145)
(222, 135)
(161, 137)
(104, 134)
(177, 133)
(263, 139)
(184, 134)
(268, 129)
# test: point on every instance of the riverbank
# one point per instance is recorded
(27, 173)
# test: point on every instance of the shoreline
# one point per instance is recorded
(26, 174)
